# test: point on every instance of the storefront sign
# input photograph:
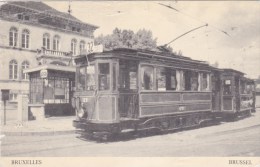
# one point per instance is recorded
(43, 73)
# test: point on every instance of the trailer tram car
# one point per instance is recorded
(233, 94)
(130, 90)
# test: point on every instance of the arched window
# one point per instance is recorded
(46, 41)
(13, 69)
(74, 46)
(82, 46)
(25, 65)
(25, 38)
(13, 36)
(56, 43)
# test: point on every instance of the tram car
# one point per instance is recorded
(130, 90)
(233, 94)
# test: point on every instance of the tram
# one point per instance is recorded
(132, 89)
(234, 94)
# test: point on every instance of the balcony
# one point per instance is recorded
(45, 56)
(55, 53)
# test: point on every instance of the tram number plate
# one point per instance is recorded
(182, 108)
(44, 73)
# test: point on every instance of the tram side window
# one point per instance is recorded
(103, 76)
(227, 87)
(191, 81)
(147, 77)
(161, 79)
(81, 78)
(127, 75)
(171, 80)
(249, 88)
(204, 84)
(165, 79)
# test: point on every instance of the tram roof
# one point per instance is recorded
(141, 54)
(234, 71)
(51, 67)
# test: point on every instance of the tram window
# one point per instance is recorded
(249, 88)
(81, 78)
(114, 76)
(171, 80)
(204, 81)
(147, 77)
(227, 87)
(161, 79)
(103, 76)
(243, 87)
(90, 78)
(127, 75)
(191, 80)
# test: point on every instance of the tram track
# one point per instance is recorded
(36, 151)
(36, 140)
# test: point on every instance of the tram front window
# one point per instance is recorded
(81, 78)
(90, 78)
(103, 76)
(227, 87)
(86, 78)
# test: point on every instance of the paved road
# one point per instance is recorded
(240, 138)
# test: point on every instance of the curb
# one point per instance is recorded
(46, 133)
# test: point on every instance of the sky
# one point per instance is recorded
(240, 49)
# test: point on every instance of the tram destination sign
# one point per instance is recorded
(91, 48)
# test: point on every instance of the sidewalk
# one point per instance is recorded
(49, 126)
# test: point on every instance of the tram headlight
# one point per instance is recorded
(81, 108)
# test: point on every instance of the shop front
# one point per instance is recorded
(51, 91)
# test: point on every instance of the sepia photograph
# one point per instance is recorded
(130, 79)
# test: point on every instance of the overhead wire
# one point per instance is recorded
(179, 11)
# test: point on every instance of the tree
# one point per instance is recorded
(142, 39)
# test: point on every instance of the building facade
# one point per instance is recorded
(33, 33)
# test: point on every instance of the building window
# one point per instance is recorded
(13, 36)
(25, 39)
(13, 97)
(56, 43)
(46, 41)
(82, 46)
(25, 65)
(73, 46)
(20, 16)
(13, 69)
(147, 77)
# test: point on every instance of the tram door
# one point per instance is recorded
(216, 90)
(128, 90)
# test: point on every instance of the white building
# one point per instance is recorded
(33, 33)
